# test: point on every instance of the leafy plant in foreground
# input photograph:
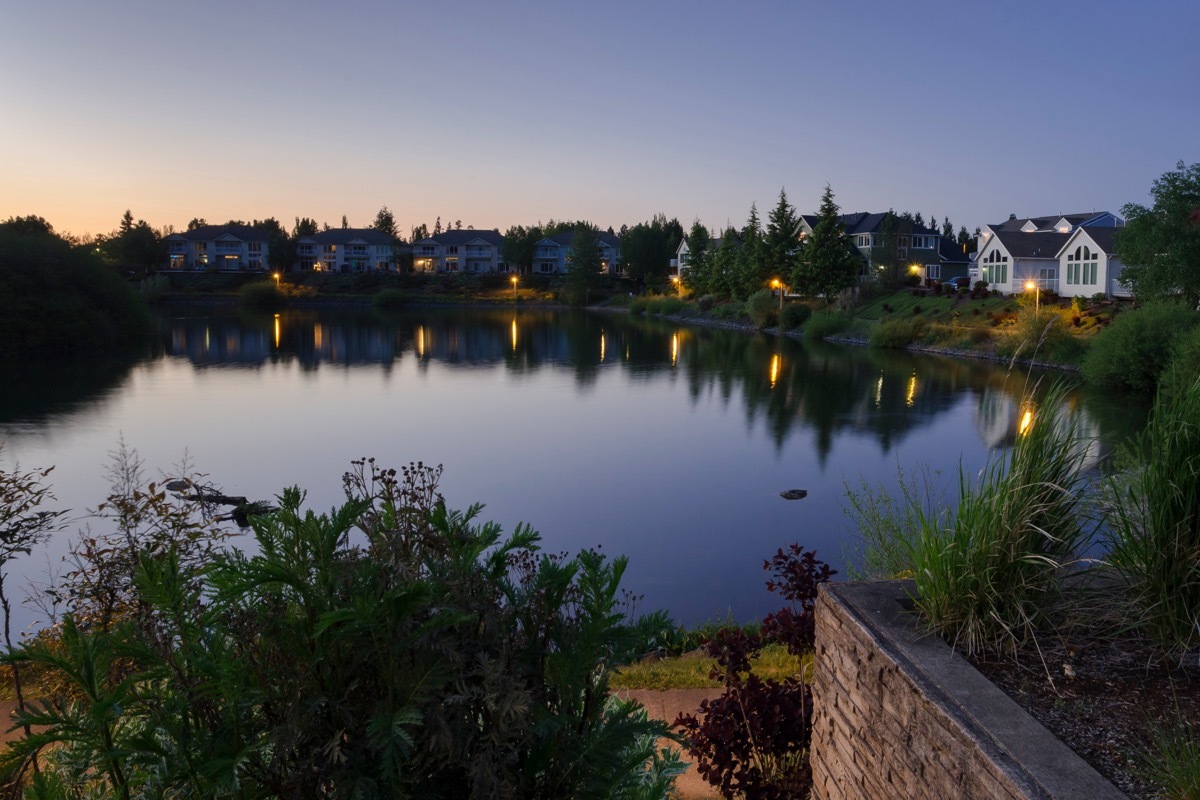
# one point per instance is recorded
(753, 740)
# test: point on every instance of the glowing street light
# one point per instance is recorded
(1037, 294)
(276, 276)
(513, 280)
(778, 284)
(675, 282)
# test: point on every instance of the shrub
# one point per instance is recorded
(1133, 353)
(706, 302)
(824, 324)
(1184, 368)
(898, 332)
(390, 299)
(1037, 334)
(446, 659)
(753, 740)
(916, 310)
(638, 305)
(263, 294)
(762, 308)
(1078, 304)
(665, 305)
(794, 315)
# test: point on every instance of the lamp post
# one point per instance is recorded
(513, 280)
(276, 276)
(1037, 295)
(778, 284)
(675, 283)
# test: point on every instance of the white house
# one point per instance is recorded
(1035, 250)
(1088, 264)
(346, 250)
(228, 248)
(469, 251)
(550, 255)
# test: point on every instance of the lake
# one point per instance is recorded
(665, 442)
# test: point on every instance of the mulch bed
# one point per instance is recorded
(1104, 700)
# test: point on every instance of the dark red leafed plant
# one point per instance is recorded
(753, 740)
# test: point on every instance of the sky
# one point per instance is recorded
(498, 114)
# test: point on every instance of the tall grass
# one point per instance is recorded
(1156, 522)
(824, 324)
(987, 573)
(1172, 759)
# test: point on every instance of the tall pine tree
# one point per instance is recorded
(781, 245)
(829, 261)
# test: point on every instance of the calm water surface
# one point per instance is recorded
(664, 442)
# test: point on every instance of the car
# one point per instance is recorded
(956, 284)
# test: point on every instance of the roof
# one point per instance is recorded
(347, 235)
(1040, 244)
(465, 235)
(1104, 237)
(564, 238)
(1046, 223)
(951, 252)
(867, 222)
(207, 233)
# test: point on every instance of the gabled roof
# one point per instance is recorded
(1105, 238)
(348, 235)
(466, 236)
(1044, 224)
(207, 233)
(1042, 244)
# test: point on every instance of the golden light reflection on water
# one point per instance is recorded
(674, 348)
(514, 333)
(421, 341)
(879, 392)
(774, 369)
(911, 395)
(318, 337)
(601, 345)
(276, 329)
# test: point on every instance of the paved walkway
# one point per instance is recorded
(667, 706)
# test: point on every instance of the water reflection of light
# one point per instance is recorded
(911, 395)
(774, 369)
(318, 336)
(674, 348)
(601, 346)
(1026, 421)
(277, 324)
(879, 392)
(514, 332)
(421, 341)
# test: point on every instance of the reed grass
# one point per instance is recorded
(1156, 523)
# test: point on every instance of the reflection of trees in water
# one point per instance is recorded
(35, 391)
(783, 382)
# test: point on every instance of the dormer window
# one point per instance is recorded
(1029, 227)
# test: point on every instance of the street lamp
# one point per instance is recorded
(513, 281)
(1037, 294)
(675, 281)
(778, 284)
(276, 276)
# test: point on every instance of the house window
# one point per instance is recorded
(330, 249)
(1083, 266)
(451, 265)
(305, 250)
(255, 248)
(452, 250)
(922, 242)
(933, 271)
(546, 266)
(994, 268)
(862, 240)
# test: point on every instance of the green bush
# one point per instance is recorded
(638, 305)
(1184, 368)
(824, 324)
(264, 294)
(898, 332)
(794, 315)
(388, 648)
(762, 308)
(1137, 347)
(1039, 335)
(390, 299)
(665, 305)
(706, 302)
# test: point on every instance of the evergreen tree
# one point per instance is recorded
(280, 254)
(723, 264)
(126, 222)
(751, 268)
(948, 230)
(780, 245)
(304, 226)
(419, 232)
(697, 276)
(437, 226)
(196, 222)
(829, 261)
(583, 263)
(345, 222)
(385, 221)
(918, 220)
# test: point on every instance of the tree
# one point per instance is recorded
(1160, 246)
(697, 276)
(519, 245)
(196, 222)
(781, 246)
(419, 232)
(948, 230)
(345, 222)
(437, 226)
(280, 254)
(723, 264)
(126, 222)
(648, 247)
(829, 261)
(583, 263)
(304, 227)
(385, 221)
(751, 268)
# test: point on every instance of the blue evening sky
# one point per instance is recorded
(508, 113)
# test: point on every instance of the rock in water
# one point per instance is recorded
(794, 494)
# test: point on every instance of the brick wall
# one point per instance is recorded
(899, 715)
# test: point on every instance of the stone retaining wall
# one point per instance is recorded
(900, 715)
